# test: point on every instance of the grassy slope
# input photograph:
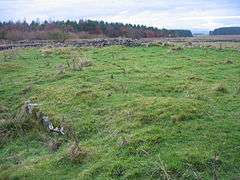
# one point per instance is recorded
(162, 103)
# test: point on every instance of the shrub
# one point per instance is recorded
(57, 36)
(3, 34)
(15, 35)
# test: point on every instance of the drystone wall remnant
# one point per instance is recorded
(74, 43)
(33, 109)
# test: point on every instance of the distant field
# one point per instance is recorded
(151, 112)
(204, 38)
(227, 41)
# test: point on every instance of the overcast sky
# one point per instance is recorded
(197, 15)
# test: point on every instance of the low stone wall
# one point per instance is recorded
(73, 43)
(5, 44)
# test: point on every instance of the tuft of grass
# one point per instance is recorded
(229, 61)
(76, 153)
(54, 145)
(47, 52)
(79, 62)
(238, 89)
(220, 88)
(177, 48)
(178, 118)
(27, 89)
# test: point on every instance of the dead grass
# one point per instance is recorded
(8, 67)
(54, 145)
(178, 118)
(87, 94)
(9, 55)
(47, 52)
(76, 153)
(78, 62)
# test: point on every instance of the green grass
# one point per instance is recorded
(138, 113)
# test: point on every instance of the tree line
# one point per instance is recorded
(83, 28)
(226, 31)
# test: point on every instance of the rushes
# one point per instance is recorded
(78, 63)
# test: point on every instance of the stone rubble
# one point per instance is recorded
(72, 43)
(32, 109)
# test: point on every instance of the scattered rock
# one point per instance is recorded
(32, 109)
(73, 43)
(177, 48)
(189, 43)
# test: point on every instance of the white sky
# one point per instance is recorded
(197, 15)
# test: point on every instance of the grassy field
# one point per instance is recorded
(140, 112)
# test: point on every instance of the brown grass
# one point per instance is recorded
(79, 62)
(76, 153)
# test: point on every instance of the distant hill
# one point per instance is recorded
(226, 31)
